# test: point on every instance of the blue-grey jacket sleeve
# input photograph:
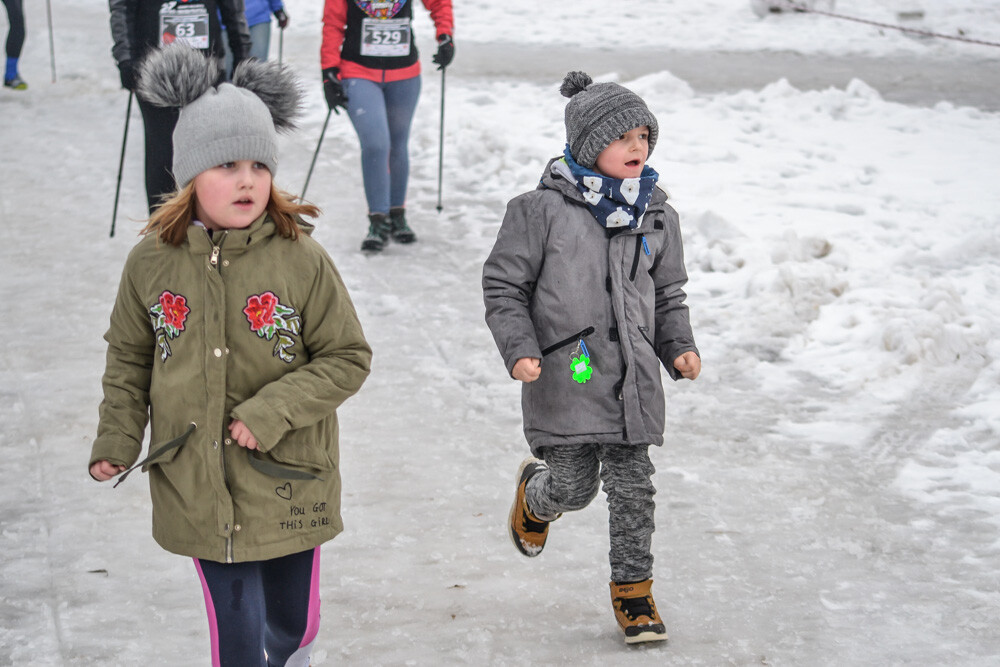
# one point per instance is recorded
(509, 277)
(673, 324)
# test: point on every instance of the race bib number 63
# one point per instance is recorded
(187, 24)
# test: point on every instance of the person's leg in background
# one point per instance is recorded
(260, 40)
(14, 44)
(400, 103)
(366, 109)
(158, 124)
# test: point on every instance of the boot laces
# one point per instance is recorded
(633, 608)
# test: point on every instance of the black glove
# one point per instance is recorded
(129, 74)
(446, 51)
(334, 90)
(282, 18)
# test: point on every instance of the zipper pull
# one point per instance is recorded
(645, 246)
(214, 259)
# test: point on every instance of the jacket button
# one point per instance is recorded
(218, 352)
(237, 527)
(215, 444)
(229, 441)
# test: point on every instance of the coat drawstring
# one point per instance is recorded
(159, 451)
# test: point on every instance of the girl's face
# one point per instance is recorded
(625, 156)
(232, 195)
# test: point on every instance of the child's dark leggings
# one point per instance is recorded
(262, 606)
(572, 480)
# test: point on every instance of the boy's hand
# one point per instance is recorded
(103, 470)
(242, 435)
(688, 365)
(527, 369)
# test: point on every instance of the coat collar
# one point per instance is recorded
(232, 240)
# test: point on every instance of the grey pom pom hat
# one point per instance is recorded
(224, 123)
(599, 113)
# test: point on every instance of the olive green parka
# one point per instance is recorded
(249, 326)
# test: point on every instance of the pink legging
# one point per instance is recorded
(262, 613)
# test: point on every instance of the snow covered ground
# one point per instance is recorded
(829, 492)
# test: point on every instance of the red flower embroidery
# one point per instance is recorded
(175, 309)
(260, 310)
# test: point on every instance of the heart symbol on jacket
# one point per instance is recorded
(285, 490)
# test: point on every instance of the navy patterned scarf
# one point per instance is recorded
(615, 202)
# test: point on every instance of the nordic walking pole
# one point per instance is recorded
(52, 43)
(281, 43)
(121, 163)
(302, 197)
(441, 141)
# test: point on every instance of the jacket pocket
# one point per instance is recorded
(306, 447)
(566, 341)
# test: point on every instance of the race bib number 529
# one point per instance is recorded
(385, 37)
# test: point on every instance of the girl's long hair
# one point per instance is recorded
(171, 220)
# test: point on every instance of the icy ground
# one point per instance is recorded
(829, 493)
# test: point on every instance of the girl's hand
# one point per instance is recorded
(688, 365)
(527, 369)
(103, 470)
(242, 435)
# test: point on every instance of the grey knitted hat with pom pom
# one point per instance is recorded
(599, 113)
(223, 123)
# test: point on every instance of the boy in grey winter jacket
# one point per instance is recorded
(584, 296)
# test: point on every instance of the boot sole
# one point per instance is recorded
(647, 636)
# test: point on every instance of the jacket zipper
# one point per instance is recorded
(640, 244)
(214, 261)
(567, 341)
(216, 249)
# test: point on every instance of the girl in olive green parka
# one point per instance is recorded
(234, 336)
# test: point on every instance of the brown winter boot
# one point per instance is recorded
(636, 612)
(527, 532)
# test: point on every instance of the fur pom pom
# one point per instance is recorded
(574, 83)
(276, 86)
(177, 75)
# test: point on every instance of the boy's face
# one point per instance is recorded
(232, 195)
(625, 156)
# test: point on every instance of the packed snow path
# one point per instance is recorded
(830, 486)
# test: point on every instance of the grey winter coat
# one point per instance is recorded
(556, 277)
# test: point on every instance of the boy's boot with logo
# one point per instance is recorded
(527, 532)
(636, 612)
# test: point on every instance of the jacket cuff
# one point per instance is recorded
(115, 449)
(525, 350)
(259, 416)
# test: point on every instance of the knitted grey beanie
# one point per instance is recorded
(223, 123)
(599, 113)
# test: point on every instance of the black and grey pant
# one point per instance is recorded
(572, 480)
